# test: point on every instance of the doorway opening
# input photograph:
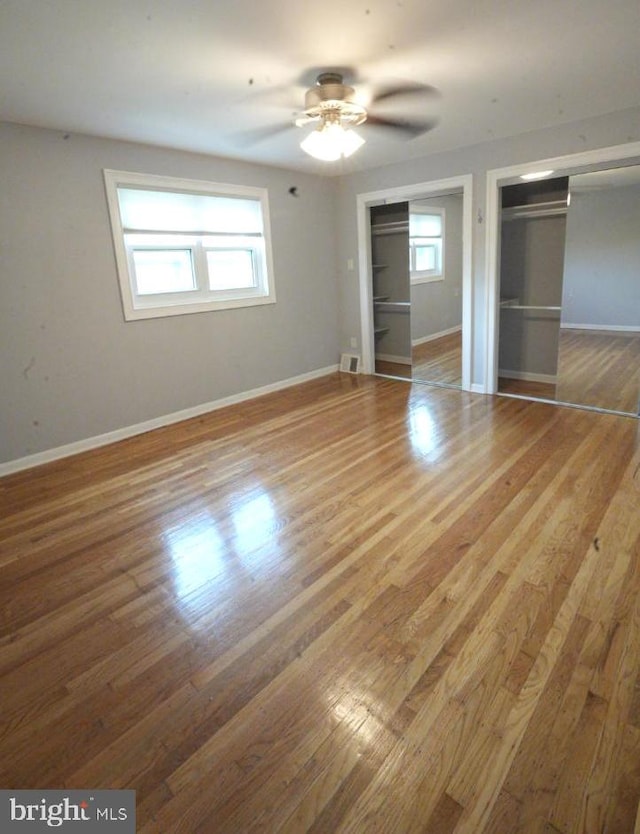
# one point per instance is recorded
(415, 282)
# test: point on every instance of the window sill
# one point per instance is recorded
(426, 279)
(152, 312)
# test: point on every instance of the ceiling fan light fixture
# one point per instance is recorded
(331, 141)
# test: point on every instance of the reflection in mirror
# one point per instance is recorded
(570, 290)
(599, 349)
(531, 269)
(416, 262)
(435, 264)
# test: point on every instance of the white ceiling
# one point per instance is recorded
(204, 75)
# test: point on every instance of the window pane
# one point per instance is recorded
(173, 211)
(163, 270)
(426, 257)
(230, 269)
(425, 225)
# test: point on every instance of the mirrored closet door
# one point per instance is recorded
(435, 269)
(417, 278)
(570, 290)
(599, 349)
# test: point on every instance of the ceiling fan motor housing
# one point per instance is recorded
(331, 97)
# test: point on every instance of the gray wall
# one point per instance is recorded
(604, 131)
(71, 367)
(437, 305)
(602, 260)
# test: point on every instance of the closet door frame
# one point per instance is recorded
(498, 177)
(401, 194)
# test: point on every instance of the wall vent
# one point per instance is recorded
(350, 363)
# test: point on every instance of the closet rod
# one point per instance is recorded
(528, 307)
(392, 306)
(552, 208)
(395, 228)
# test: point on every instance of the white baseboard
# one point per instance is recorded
(388, 357)
(423, 339)
(157, 422)
(528, 377)
(476, 388)
(617, 328)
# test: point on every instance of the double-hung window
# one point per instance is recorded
(426, 244)
(186, 246)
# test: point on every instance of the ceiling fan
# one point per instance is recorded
(332, 106)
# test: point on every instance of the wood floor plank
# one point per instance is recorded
(357, 605)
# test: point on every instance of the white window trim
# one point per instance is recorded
(137, 307)
(428, 276)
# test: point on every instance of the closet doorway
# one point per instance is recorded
(575, 339)
(415, 282)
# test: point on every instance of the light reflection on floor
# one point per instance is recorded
(204, 549)
(358, 709)
(254, 522)
(198, 553)
(423, 432)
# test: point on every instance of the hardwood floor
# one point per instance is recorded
(357, 605)
(600, 369)
(400, 369)
(439, 360)
(527, 388)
